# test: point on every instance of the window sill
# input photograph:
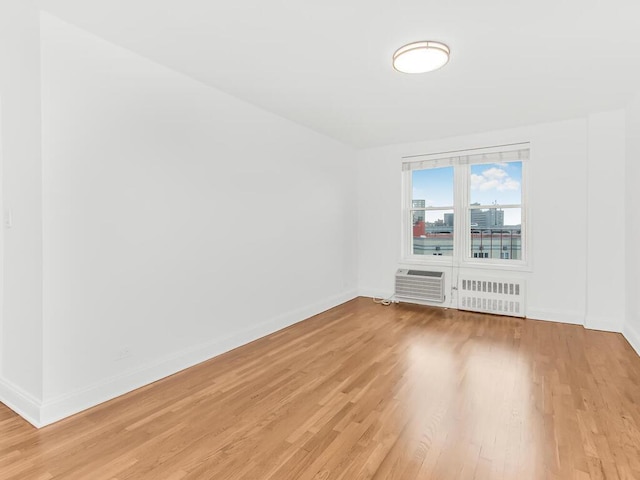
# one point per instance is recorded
(449, 262)
(516, 267)
(428, 260)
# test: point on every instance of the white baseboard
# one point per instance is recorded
(604, 324)
(561, 316)
(20, 402)
(374, 293)
(74, 402)
(633, 337)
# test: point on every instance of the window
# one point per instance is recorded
(466, 208)
(432, 211)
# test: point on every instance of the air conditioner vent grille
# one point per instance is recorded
(424, 273)
(420, 285)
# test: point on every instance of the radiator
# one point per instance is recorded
(491, 295)
(419, 286)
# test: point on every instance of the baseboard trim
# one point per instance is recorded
(79, 400)
(21, 402)
(561, 316)
(603, 324)
(633, 337)
(373, 293)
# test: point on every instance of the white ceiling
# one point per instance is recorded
(326, 64)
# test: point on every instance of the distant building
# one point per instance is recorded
(419, 215)
(448, 219)
(486, 218)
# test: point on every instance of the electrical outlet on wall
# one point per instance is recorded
(123, 353)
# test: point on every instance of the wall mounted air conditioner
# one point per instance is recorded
(417, 286)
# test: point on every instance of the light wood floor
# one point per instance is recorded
(365, 392)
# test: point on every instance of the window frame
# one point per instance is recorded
(462, 254)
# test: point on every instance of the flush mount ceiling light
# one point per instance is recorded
(421, 57)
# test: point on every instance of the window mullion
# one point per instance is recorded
(495, 207)
(432, 209)
(460, 182)
(406, 212)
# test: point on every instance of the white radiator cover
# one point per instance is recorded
(418, 286)
(501, 296)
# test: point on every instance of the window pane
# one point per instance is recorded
(496, 183)
(432, 187)
(432, 232)
(496, 233)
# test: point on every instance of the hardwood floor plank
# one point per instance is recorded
(365, 392)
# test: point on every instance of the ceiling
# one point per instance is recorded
(326, 64)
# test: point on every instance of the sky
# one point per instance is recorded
(490, 183)
(434, 185)
(496, 182)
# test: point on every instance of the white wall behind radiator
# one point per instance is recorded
(576, 199)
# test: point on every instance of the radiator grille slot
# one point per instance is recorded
(503, 297)
(420, 285)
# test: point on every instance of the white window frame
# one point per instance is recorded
(462, 255)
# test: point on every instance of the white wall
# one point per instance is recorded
(179, 222)
(21, 321)
(560, 219)
(632, 250)
(606, 221)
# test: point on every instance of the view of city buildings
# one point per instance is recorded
(490, 237)
(494, 211)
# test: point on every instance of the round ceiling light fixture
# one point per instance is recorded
(421, 57)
